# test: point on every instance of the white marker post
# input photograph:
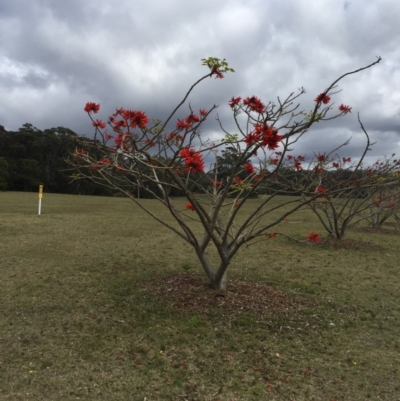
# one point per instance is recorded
(40, 199)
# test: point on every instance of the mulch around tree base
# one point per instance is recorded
(379, 230)
(191, 292)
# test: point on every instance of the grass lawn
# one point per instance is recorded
(90, 310)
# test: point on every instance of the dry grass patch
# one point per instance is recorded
(96, 304)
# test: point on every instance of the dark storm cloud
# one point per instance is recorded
(55, 56)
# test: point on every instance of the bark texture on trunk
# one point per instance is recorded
(217, 283)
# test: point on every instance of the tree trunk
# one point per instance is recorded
(221, 284)
(216, 283)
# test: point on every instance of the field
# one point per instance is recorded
(98, 302)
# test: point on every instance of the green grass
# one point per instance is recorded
(76, 322)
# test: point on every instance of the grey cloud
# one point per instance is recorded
(146, 54)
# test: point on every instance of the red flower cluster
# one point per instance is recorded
(297, 165)
(91, 107)
(314, 237)
(249, 168)
(264, 135)
(189, 206)
(187, 122)
(234, 101)
(193, 160)
(345, 109)
(336, 165)
(320, 189)
(322, 98)
(131, 118)
(254, 104)
(346, 159)
(138, 119)
(99, 124)
(217, 72)
(321, 158)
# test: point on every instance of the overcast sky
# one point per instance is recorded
(144, 54)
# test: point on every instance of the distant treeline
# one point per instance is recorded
(30, 157)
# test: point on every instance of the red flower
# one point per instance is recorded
(336, 165)
(91, 107)
(193, 160)
(254, 104)
(297, 165)
(249, 168)
(203, 112)
(118, 124)
(274, 161)
(390, 206)
(187, 152)
(346, 159)
(237, 180)
(314, 237)
(321, 158)
(320, 189)
(183, 124)
(234, 101)
(265, 135)
(322, 98)
(189, 206)
(345, 109)
(217, 72)
(192, 118)
(289, 157)
(99, 124)
(318, 169)
(194, 164)
(300, 158)
(107, 136)
(138, 119)
(251, 138)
